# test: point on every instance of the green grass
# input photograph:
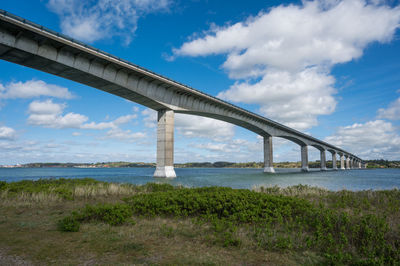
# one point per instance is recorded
(295, 225)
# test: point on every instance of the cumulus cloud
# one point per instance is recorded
(7, 133)
(125, 135)
(31, 89)
(392, 112)
(371, 140)
(49, 114)
(149, 118)
(94, 20)
(191, 126)
(282, 57)
(113, 124)
(202, 127)
(293, 99)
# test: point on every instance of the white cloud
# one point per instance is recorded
(31, 89)
(293, 99)
(371, 140)
(126, 135)
(49, 114)
(149, 118)
(113, 124)
(191, 126)
(221, 147)
(392, 112)
(7, 133)
(95, 20)
(285, 54)
(45, 107)
(203, 127)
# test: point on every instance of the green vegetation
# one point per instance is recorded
(88, 165)
(162, 224)
(371, 164)
(383, 164)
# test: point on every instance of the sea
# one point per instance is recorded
(354, 180)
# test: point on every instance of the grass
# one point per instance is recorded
(76, 221)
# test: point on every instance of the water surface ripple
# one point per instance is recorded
(359, 179)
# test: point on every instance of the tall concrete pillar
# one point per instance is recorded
(323, 160)
(359, 164)
(347, 162)
(342, 162)
(165, 144)
(304, 158)
(334, 162)
(268, 156)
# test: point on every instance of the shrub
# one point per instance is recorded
(278, 222)
(3, 185)
(238, 205)
(61, 187)
(68, 224)
(111, 214)
(296, 223)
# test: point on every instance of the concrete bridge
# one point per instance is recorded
(29, 44)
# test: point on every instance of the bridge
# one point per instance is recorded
(29, 44)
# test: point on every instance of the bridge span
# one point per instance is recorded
(29, 44)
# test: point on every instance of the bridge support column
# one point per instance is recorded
(359, 165)
(304, 158)
(323, 160)
(342, 167)
(165, 144)
(268, 155)
(334, 162)
(347, 162)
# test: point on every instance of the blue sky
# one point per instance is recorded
(328, 68)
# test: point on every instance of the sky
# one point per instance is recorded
(328, 68)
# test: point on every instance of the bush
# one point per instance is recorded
(68, 224)
(277, 222)
(238, 205)
(3, 185)
(61, 187)
(295, 223)
(110, 214)
(107, 213)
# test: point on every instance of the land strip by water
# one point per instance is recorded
(78, 221)
(222, 164)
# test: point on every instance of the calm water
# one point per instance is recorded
(359, 179)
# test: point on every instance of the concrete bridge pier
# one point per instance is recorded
(165, 144)
(323, 160)
(268, 155)
(334, 160)
(342, 159)
(304, 158)
(347, 162)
